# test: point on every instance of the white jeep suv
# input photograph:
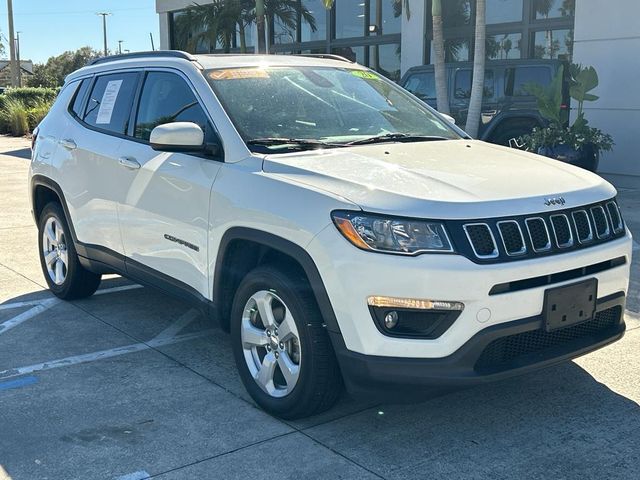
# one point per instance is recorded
(341, 230)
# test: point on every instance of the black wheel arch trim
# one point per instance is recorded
(499, 121)
(288, 248)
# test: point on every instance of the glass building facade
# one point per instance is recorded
(369, 31)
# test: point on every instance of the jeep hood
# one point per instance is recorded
(441, 179)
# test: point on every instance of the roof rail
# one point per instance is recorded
(152, 54)
(329, 56)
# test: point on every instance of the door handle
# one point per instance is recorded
(68, 144)
(128, 162)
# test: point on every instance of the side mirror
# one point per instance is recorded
(449, 118)
(178, 137)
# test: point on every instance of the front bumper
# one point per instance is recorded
(497, 352)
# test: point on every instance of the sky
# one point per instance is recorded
(50, 27)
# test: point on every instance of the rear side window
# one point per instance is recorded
(167, 98)
(78, 98)
(462, 88)
(422, 85)
(109, 104)
(517, 78)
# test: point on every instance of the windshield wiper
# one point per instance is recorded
(299, 143)
(397, 137)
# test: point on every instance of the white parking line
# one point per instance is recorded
(92, 357)
(181, 323)
(123, 288)
(139, 475)
(24, 316)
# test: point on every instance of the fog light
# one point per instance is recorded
(391, 319)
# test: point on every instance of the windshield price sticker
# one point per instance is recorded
(109, 98)
(238, 74)
(364, 74)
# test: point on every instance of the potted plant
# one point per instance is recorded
(578, 144)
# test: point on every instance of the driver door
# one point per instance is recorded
(164, 217)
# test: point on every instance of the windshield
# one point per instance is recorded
(322, 106)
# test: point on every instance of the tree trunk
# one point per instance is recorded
(262, 44)
(477, 87)
(442, 96)
(243, 38)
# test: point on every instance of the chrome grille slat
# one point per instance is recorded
(600, 221)
(512, 241)
(539, 220)
(579, 217)
(563, 239)
(473, 231)
(615, 216)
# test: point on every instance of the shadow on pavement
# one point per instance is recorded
(20, 153)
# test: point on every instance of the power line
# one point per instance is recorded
(72, 12)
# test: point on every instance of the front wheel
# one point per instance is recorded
(65, 276)
(282, 351)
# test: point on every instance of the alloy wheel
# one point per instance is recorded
(54, 250)
(271, 343)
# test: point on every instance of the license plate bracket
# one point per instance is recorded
(570, 304)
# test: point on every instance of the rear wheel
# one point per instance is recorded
(65, 276)
(282, 351)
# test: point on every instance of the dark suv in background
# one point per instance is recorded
(508, 111)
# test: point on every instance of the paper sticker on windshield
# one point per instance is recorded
(364, 74)
(109, 98)
(238, 73)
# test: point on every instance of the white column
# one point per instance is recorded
(413, 32)
(164, 31)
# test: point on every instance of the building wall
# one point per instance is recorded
(608, 38)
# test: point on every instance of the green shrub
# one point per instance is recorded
(37, 113)
(15, 117)
(30, 96)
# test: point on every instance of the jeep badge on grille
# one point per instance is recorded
(554, 201)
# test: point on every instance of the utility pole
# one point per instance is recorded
(12, 46)
(104, 16)
(120, 46)
(18, 59)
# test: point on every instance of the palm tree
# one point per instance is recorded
(442, 96)
(479, 60)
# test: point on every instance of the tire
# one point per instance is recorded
(66, 278)
(301, 345)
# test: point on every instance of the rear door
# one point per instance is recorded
(164, 213)
(89, 172)
(462, 81)
(517, 98)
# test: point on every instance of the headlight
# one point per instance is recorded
(394, 235)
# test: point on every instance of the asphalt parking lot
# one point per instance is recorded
(130, 384)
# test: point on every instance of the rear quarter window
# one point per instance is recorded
(109, 104)
(517, 78)
(78, 98)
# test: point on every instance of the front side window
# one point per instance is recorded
(109, 104)
(463, 84)
(336, 105)
(422, 85)
(167, 98)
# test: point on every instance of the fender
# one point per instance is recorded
(286, 247)
(498, 120)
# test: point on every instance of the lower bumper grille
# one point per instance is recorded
(518, 350)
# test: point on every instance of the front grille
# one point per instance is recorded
(496, 240)
(530, 347)
(600, 221)
(482, 241)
